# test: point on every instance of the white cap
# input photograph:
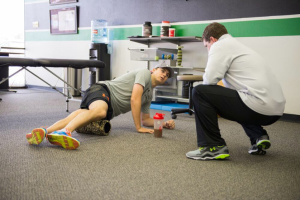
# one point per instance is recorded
(164, 65)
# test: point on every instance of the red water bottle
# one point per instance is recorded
(158, 124)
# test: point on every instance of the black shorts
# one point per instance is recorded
(94, 93)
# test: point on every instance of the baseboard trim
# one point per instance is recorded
(290, 118)
(44, 88)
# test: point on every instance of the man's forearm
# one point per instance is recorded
(136, 113)
(148, 122)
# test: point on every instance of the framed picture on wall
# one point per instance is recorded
(54, 2)
(63, 20)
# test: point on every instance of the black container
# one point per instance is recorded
(164, 30)
(98, 51)
(147, 29)
(4, 74)
(185, 88)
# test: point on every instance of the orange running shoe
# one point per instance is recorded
(63, 138)
(36, 136)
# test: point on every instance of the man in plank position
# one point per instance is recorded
(106, 100)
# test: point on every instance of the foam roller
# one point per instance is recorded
(101, 127)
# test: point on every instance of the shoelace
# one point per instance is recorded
(200, 148)
(68, 132)
(44, 127)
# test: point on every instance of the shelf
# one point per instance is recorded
(3, 52)
(151, 54)
(13, 48)
(181, 67)
(174, 40)
(142, 50)
(186, 100)
(167, 88)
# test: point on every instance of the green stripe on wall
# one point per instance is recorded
(257, 28)
(261, 28)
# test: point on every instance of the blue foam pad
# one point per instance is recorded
(167, 106)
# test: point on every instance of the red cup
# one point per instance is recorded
(171, 32)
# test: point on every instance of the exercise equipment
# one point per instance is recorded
(49, 62)
(179, 55)
(101, 127)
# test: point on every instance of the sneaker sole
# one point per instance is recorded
(36, 136)
(264, 144)
(63, 141)
(259, 151)
(218, 157)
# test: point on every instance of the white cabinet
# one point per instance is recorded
(151, 54)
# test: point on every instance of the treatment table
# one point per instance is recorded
(47, 62)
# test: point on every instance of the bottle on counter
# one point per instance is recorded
(164, 30)
(171, 32)
(147, 29)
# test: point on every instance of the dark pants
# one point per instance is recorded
(211, 100)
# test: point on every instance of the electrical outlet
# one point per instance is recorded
(35, 24)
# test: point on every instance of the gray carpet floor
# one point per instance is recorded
(130, 165)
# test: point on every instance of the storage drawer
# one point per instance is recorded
(151, 54)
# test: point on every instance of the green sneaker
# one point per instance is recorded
(64, 139)
(256, 150)
(264, 142)
(261, 145)
(209, 153)
(36, 136)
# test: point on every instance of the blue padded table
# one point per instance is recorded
(49, 62)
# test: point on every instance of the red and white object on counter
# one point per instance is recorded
(171, 32)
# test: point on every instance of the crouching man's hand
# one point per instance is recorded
(169, 124)
(145, 130)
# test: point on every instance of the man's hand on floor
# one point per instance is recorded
(145, 130)
(169, 124)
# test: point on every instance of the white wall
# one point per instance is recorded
(53, 49)
(280, 52)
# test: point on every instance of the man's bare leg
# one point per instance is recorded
(37, 135)
(97, 111)
(64, 122)
(76, 119)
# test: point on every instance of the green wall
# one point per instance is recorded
(255, 28)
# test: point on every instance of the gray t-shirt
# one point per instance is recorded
(121, 90)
